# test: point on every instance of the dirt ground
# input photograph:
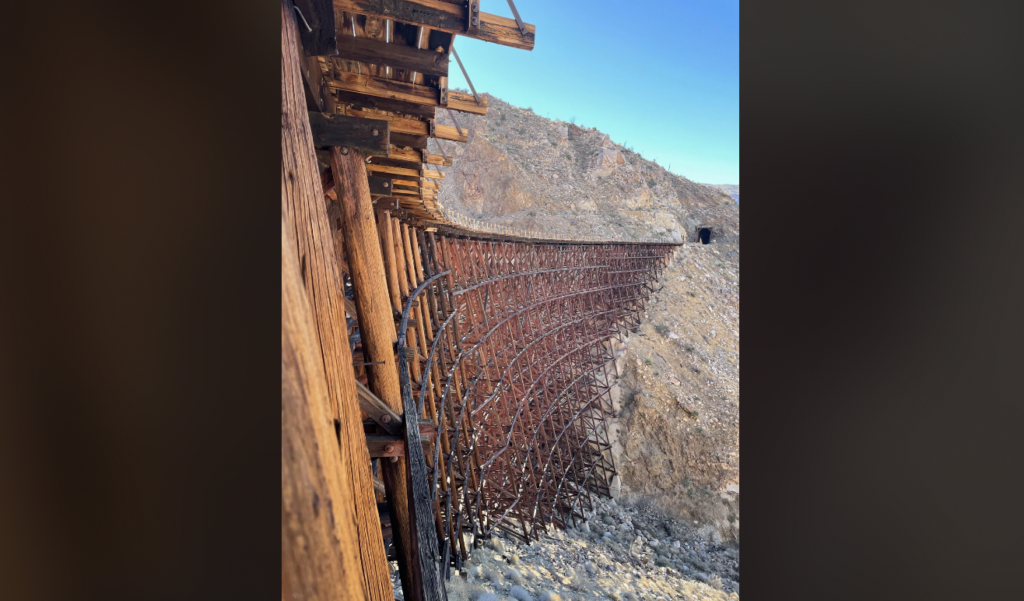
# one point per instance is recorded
(622, 552)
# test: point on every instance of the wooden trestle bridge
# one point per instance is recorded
(494, 343)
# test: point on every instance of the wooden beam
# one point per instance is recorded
(316, 27)
(335, 555)
(392, 446)
(345, 81)
(447, 132)
(444, 16)
(394, 55)
(383, 104)
(372, 168)
(410, 140)
(379, 411)
(377, 328)
(385, 446)
(396, 123)
(404, 157)
(380, 185)
(426, 173)
(319, 550)
(404, 125)
(314, 77)
(372, 136)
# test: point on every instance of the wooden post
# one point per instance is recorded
(312, 250)
(377, 328)
(320, 556)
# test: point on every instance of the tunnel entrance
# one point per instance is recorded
(704, 235)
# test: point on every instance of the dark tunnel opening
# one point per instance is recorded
(704, 235)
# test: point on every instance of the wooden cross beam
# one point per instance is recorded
(372, 136)
(405, 92)
(396, 56)
(444, 16)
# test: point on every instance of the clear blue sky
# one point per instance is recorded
(656, 75)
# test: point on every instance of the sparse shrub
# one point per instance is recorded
(661, 329)
(715, 581)
(532, 213)
(648, 361)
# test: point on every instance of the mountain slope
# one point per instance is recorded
(554, 177)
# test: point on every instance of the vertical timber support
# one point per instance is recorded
(377, 328)
(331, 544)
(319, 544)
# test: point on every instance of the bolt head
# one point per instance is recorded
(389, 449)
(386, 419)
(386, 184)
(375, 132)
(344, 150)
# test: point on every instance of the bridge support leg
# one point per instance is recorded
(325, 479)
(377, 328)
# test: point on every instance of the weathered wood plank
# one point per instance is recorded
(377, 328)
(394, 55)
(314, 77)
(410, 140)
(331, 545)
(444, 16)
(383, 104)
(345, 81)
(373, 168)
(416, 156)
(379, 411)
(320, 37)
(319, 548)
(372, 136)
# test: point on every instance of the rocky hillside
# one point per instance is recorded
(519, 168)
(621, 553)
(676, 429)
(678, 419)
(730, 189)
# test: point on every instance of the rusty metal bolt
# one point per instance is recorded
(389, 448)
(375, 132)
(344, 150)
(386, 184)
(385, 419)
(394, 460)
